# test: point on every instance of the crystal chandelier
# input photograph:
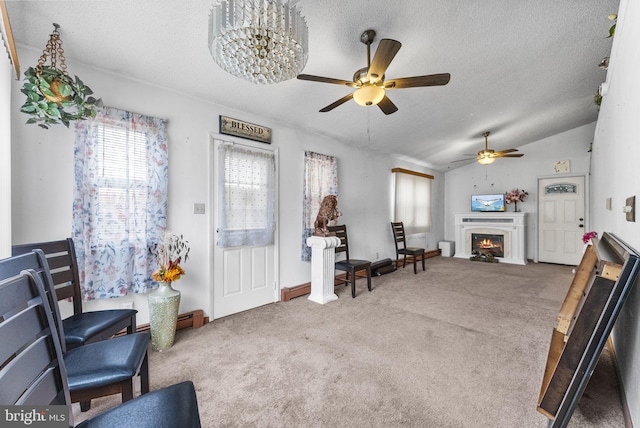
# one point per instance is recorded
(262, 41)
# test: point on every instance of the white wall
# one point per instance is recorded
(43, 183)
(522, 173)
(616, 175)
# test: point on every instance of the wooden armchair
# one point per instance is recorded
(81, 327)
(399, 240)
(95, 369)
(33, 369)
(349, 265)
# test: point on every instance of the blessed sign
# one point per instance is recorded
(247, 130)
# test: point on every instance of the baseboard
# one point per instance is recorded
(287, 294)
(193, 319)
(628, 423)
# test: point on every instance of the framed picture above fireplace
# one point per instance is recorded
(487, 203)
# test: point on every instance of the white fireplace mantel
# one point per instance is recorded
(510, 224)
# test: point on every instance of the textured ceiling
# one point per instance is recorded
(522, 70)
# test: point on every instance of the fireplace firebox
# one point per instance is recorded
(487, 243)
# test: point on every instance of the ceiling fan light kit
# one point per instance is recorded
(262, 41)
(488, 156)
(370, 82)
(368, 95)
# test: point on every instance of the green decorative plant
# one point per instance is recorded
(53, 97)
(613, 17)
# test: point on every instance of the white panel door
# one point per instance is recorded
(244, 277)
(561, 220)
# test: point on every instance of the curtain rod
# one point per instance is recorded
(408, 171)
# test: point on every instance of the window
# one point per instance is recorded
(320, 180)
(120, 201)
(246, 197)
(412, 200)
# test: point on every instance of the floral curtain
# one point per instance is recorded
(320, 180)
(120, 201)
(246, 195)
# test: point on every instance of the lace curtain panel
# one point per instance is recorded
(246, 195)
(320, 180)
(120, 201)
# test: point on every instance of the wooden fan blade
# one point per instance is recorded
(506, 151)
(387, 49)
(387, 106)
(337, 103)
(498, 155)
(418, 81)
(325, 80)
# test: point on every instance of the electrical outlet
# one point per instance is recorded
(198, 208)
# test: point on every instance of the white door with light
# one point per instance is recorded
(561, 219)
(245, 273)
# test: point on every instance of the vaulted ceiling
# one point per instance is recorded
(523, 70)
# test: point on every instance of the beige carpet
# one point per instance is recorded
(463, 344)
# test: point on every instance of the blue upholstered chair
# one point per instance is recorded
(96, 369)
(81, 327)
(33, 370)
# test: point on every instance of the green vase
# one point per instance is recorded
(163, 315)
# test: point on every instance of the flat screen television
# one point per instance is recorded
(487, 203)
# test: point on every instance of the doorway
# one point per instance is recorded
(561, 219)
(245, 242)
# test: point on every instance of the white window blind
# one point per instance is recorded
(412, 200)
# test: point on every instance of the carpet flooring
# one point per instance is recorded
(463, 344)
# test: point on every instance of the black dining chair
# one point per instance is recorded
(399, 239)
(81, 327)
(33, 370)
(96, 369)
(352, 267)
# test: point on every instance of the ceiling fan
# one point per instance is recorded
(370, 80)
(488, 156)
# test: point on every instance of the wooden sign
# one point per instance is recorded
(241, 129)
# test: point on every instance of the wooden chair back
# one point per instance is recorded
(61, 257)
(31, 352)
(398, 235)
(341, 233)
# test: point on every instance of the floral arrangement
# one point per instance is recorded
(170, 252)
(515, 196)
(588, 236)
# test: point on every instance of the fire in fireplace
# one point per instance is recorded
(488, 243)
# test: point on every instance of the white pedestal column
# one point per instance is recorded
(323, 258)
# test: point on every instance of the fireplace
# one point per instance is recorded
(511, 226)
(487, 243)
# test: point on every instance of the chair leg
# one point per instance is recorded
(353, 284)
(415, 264)
(369, 278)
(144, 374)
(85, 406)
(423, 254)
(127, 390)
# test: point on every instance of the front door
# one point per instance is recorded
(561, 219)
(244, 267)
